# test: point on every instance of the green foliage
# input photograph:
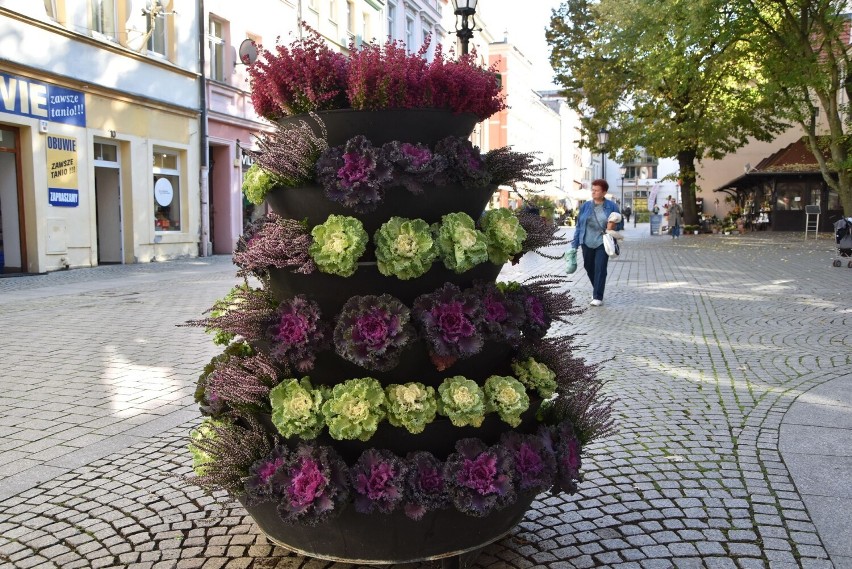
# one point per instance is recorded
(257, 183)
(503, 235)
(404, 248)
(411, 406)
(460, 245)
(535, 375)
(462, 400)
(296, 408)
(354, 409)
(226, 304)
(201, 460)
(338, 244)
(508, 397)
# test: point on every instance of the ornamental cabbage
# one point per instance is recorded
(259, 182)
(460, 245)
(412, 406)
(508, 397)
(337, 245)
(503, 235)
(404, 248)
(201, 459)
(371, 331)
(535, 375)
(462, 400)
(354, 409)
(296, 408)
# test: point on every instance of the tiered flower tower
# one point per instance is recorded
(381, 398)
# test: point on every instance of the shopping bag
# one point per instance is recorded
(611, 245)
(571, 260)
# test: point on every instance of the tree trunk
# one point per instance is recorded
(686, 161)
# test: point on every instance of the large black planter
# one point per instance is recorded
(426, 126)
(309, 202)
(391, 538)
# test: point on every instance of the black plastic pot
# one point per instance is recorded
(426, 126)
(310, 202)
(389, 538)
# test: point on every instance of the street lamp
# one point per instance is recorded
(623, 171)
(603, 138)
(465, 9)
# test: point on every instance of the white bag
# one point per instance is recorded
(611, 245)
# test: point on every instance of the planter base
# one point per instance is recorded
(391, 538)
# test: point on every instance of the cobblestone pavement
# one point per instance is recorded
(706, 341)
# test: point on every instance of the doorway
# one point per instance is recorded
(13, 258)
(108, 216)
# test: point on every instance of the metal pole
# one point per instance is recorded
(636, 191)
(603, 164)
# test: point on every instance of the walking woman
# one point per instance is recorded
(591, 225)
(675, 218)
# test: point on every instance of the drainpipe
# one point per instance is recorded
(203, 178)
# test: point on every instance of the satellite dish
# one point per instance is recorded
(248, 51)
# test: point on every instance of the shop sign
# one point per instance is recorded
(62, 171)
(27, 98)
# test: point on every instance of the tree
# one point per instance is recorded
(677, 78)
(802, 46)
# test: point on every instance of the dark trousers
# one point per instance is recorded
(595, 262)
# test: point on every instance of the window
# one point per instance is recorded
(350, 16)
(409, 32)
(156, 27)
(50, 8)
(167, 213)
(332, 10)
(313, 5)
(365, 28)
(103, 18)
(105, 152)
(391, 20)
(790, 196)
(217, 49)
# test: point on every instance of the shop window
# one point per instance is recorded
(105, 152)
(155, 17)
(217, 49)
(833, 201)
(167, 202)
(103, 18)
(790, 196)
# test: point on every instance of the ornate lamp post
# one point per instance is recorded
(465, 9)
(623, 171)
(603, 138)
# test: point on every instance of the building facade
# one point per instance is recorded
(99, 137)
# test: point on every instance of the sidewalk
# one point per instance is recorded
(731, 373)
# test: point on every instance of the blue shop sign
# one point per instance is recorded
(62, 197)
(27, 98)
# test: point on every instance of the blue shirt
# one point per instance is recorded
(585, 215)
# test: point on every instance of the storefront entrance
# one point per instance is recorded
(13, 257)
(108, 204)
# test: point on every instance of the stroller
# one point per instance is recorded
(843, 238)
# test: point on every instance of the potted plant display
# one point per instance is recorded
(381, 397)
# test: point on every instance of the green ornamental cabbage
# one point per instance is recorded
(462, 400)
(338, 244)
(404, 248)
(503, 234)
(411, 406)
(508, 397)
(201, 460)
(259, 182)
(296, 408)
(460, 245)
(536, 376)
(354, 409)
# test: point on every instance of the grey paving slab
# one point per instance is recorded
(709, 344)
(825, 439)
(821, 475)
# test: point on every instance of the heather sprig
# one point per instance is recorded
(209, 402)
(243, 381)
(252, 311)
(296, 408)
(503, 315)
(306, 75)
(411, 405)
(378, 481)
(425, 490)
(413, 165)
(274, 241)
(337, 245)
(228, 451)
(312, 486)
(290, 152)
(479, 478)
(462, 401)
(541, 233)
(354, 408)
(450, 321)
(355, 174)
(508, 167)
(371, 331)
(504, 235)
(387, 76)
(550, 289)
(464, 163)
(297, 333)
(507, 396)
(405, 248)
(460, 245)
(463, 86)
(563, 442)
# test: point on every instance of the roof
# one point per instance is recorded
(795, 158)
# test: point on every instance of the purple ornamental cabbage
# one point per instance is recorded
(479, 478)
(565, 445)
(465, 165)
(297, 333)
(503, 316)
(312, 485)
(425, 490)
(378, 480)
(371, 331)
(538, 318)
(535, 462)
(413, 164)
(450, 321)
(354, 175)
(258, 485)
